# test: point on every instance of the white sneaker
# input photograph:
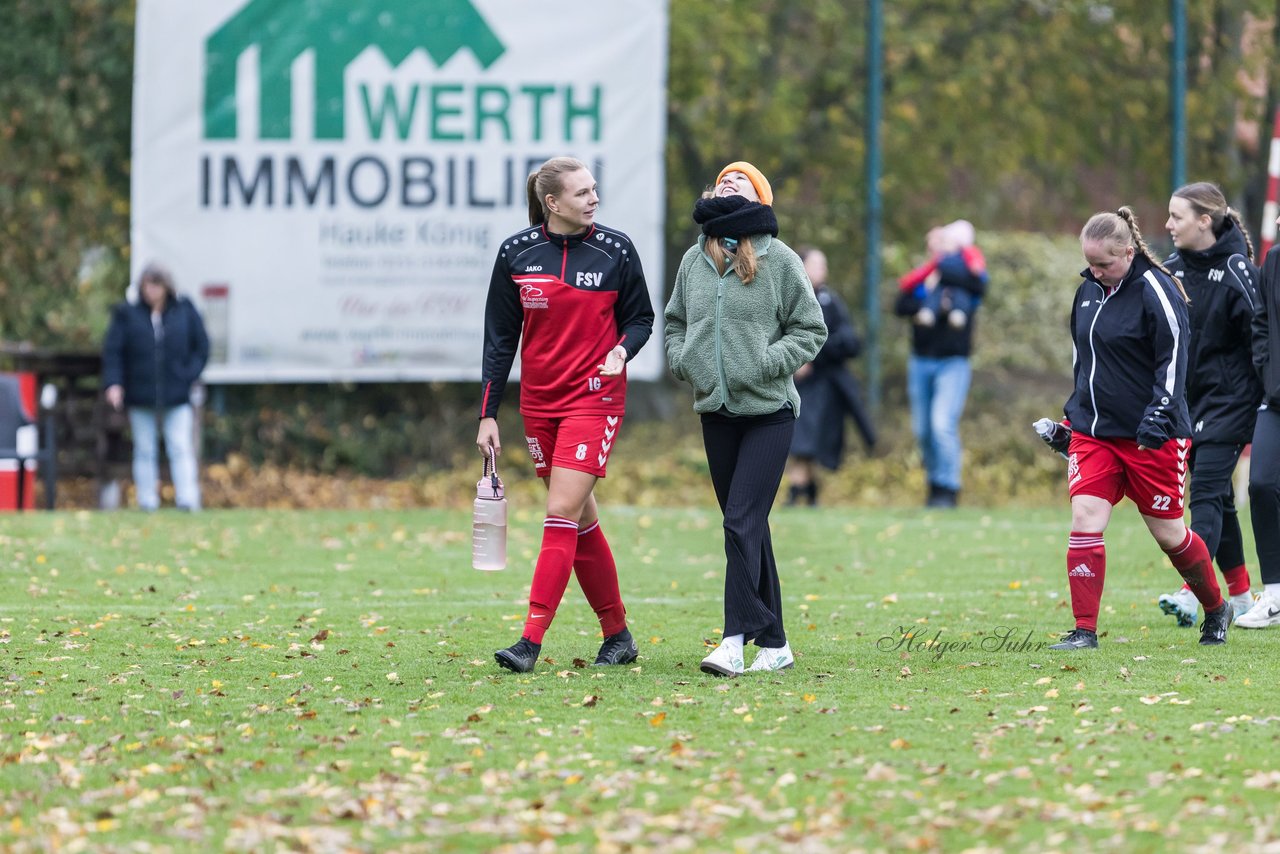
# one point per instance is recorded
(1241, 603)
(1181, 605)
(1264, 613)
(723, 662)
(773, 659)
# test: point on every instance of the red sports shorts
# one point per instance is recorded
(1113, 468)
(579, 442)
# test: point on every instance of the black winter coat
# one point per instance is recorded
(1266, 328)
(1130, 358)
(154, 370)
(1223, 390)
(830, 392)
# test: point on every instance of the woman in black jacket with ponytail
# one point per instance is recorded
(1214, 262)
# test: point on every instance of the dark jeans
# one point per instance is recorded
(1264, 493)
(747, 456)
(1213, 502)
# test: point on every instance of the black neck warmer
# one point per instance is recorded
(734, 217)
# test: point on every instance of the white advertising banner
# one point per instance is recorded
(330, 180)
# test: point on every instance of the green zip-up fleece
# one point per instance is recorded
(739, 345)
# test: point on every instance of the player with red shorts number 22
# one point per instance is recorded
(1127, 430)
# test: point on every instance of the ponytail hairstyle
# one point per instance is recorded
(745, 262)
(1120, 231)
(548, 181)
(1207, 200)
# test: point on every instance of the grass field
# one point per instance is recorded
(324, 681)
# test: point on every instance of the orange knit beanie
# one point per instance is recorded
(761, 183)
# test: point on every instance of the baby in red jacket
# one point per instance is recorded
(946, 283)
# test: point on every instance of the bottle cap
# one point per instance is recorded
(490, 488)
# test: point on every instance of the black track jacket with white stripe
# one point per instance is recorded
(1130, 358)
(1223, 389)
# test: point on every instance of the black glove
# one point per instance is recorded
(1055, 434)
(1151, 435)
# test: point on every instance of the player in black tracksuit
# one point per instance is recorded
(1213, 261)
(1123, 335)
(1264, 470)
(1131, 427)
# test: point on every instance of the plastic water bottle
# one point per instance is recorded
(1048, 430)
(489, 520)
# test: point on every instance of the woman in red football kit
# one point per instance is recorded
(571, 295)
(1129, 420)
(742, 319)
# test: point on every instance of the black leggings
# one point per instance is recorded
(747, 456)
(1264, 493)
(1213, 502)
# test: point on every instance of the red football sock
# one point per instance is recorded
(598, 575)
(1086, 573)
(1237, 580)
(551, 575)
(1193, 563)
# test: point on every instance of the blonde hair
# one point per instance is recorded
(1119, 230)
(745, 261)
(548, 181)
(1207, 200)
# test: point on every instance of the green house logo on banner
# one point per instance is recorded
(337, 31)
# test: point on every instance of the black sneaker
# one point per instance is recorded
(942, 496)
(617, 649)
(1077, 639)
(520, 656)
(1213, 631)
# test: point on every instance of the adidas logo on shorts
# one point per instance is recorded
(1082, 571)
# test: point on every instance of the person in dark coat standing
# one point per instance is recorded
(828, 390)
(1264, 470)
(155, 350)
(1214, 262)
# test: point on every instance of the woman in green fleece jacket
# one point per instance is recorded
(742, 319)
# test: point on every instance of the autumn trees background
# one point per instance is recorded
(1024, 116)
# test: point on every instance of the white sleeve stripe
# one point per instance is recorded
(1171, 373)
(1245, 290)
(526, 249)
(1241, 276)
